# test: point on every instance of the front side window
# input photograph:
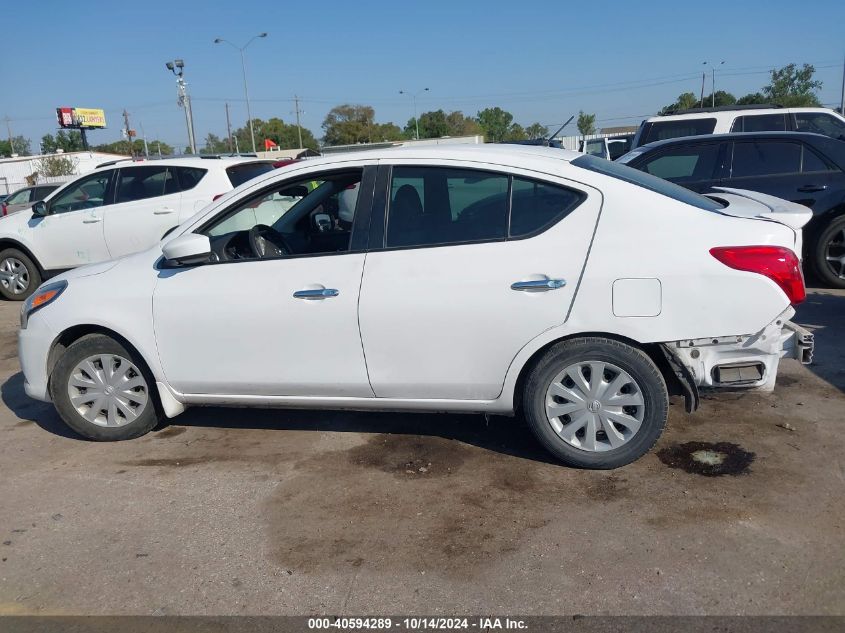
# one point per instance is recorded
(820, 123)
(684, 164)
(765, 159)
(310, 216)
(19, 197)
(660, 130)
(86, 193)
(436, 205)
(760, 123)
(139, 183)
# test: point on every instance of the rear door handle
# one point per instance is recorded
(163, 211)
(812, 188)
(316, 293)
(91, 220)
(538, 285)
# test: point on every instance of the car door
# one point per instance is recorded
(456, 290)
(71, 234)
(775, 167)
(147, 202)
(696, 166)
(283, 326)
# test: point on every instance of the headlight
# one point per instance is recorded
(45, 295)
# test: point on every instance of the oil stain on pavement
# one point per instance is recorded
(707, 459)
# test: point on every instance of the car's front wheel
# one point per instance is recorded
(596, 402)
(829, 255)
(19, 276)
(103, 391)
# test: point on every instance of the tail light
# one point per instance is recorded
(4, 208)
(779, 264)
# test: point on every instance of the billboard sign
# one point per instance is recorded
(81, 118)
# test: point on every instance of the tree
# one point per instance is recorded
(385, 132)
(460, 125)
(283, 134)
(515, 133)
(536, 131)
(123, 148)
(685, 101)
(348, 124)
(586, 123)
(722, 99)
(67, 141)
(57, 165)
(495, 123)
(793, 87)
(19, 145)
(431, 125)
(215, 145)
(752, 98)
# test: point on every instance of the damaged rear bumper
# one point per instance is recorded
(744, 361)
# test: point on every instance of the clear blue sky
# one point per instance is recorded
(540, 60)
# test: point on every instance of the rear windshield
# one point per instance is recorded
(647, 181)
(660, 130)
(239, 174)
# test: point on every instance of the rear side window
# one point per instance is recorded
(659, 130)
(765, 159)
(760, 123)
(239, 174)
(537, 205)
(685, 163)
(188, 177)
(820, 123)
(433, 205)
(647, 181)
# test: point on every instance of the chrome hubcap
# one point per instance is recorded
(108, 390)
(594, 406)
(834, 253)
(14, 276)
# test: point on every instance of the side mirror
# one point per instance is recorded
(187, 249)
(39, 209)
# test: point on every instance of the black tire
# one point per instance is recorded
(633, 361)
(822, 268)
(94, 345)
(32, 275)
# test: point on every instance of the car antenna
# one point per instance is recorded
(568, 121)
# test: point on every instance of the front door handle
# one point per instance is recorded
(163, 211)
(315, 293)
(91, 220)
(812, 188)
(538, 285)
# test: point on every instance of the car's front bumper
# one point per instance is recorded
(745, 361)
(34, 344)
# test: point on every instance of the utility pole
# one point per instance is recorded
(144, 136)
(177, 67)
(241, 49)
(703, 77)
(298, 126)
(128, 132)
(842, 103)
(229, 130)
(9, 132)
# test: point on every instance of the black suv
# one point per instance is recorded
(805, 168)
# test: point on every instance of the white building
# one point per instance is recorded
(22, 171)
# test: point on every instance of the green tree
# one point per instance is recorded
(722, 99)
(348, 124)
(123, 148)
(19, 145)
(495, 123)
(431, 124)
(793, 87)
(536, 131)
(586, 123)
(685, 101)
(752, 98)
(283, 134)
(215, 145)
(57, 165)
(65, 140)
(385, 132)
(515, 133)
(461, 125)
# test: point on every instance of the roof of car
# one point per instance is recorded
(201, 160)
(729, 111)
(745, 136)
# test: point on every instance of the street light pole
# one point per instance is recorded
(177, 67)
(241, 49)
(713, 89)
(414, 97)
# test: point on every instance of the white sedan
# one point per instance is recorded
(496, 279)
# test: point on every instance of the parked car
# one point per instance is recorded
(808, 169)
(495, 279)
(609, 148)
(753, 118)
(25, 198)
(121, 207)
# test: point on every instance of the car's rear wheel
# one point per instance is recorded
(596, 402)
(19, 276)
(104, 391)
(829, 256)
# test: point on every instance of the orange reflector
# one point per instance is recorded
(44, 297)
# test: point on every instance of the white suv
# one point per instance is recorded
(725, 119)
(121, 207)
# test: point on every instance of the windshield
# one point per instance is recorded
(647, 181)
